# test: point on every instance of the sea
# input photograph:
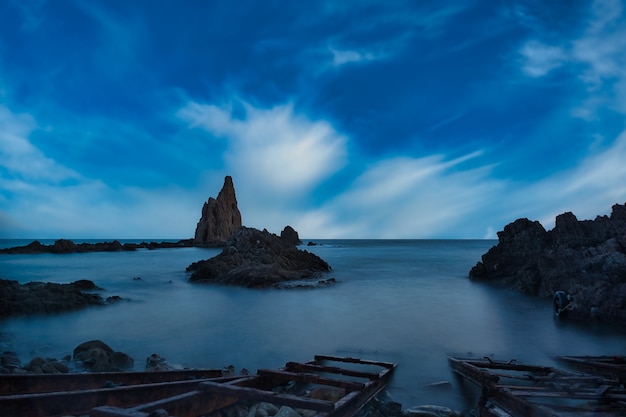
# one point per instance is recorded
(404, 301)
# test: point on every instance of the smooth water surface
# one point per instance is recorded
(403, 301)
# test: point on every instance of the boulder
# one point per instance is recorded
(97, 356)
(586, 259)
(257, 259)
(220, 217)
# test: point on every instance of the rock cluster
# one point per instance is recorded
(258, 259)
(97, 356)
(586, 259)
(43, 298)
(67, 246)
(91, 356)
(220, 217)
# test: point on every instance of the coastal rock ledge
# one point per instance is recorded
(260, 259)
(586, 259)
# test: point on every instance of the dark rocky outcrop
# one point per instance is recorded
(97, 356)
(289, 235)
(220, 217)
(258, 259)
(43, 298)
(586, 259)
(67, 246)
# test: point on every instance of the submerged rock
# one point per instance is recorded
(258, 259)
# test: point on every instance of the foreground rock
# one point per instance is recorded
(220, 217)
(258, 259)
(67, 246)
(586, 259)
(43, 298)
(97, 356)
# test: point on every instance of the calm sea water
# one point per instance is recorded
(403, 301)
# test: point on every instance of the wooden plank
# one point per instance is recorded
(472, 372)
(192, 403)
(308, 378)
(387, 365)
(603, 365)
(38, 383)
(580, 395)
(69, 402)
(268, 396)
(305, 367)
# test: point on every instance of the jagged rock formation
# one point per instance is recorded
(44, 298)
(289, 235)
(259, 259)
(220, 217)
(586, 259)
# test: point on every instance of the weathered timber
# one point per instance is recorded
(81, 401)
(538, 391)
(40, 383)
(207, 396)
(612, 367)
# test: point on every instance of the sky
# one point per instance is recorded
(395, 119)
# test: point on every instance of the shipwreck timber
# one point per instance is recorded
(516, 390)
(348, 384)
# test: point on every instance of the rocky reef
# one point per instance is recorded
(260, 259)
(45, 297)
(220, 217)
(584, 258)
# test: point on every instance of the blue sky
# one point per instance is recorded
(343, 119)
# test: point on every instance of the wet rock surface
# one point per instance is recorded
(45, 298)
(259, 259)
(586, 259)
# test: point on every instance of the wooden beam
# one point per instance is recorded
(268, 396)
(308, 378)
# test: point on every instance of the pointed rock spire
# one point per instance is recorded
(220, 217)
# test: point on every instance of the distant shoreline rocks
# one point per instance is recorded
(62, 246)
(585, 259)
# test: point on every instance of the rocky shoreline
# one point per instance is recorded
(584, 259)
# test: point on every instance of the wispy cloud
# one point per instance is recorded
(283, 151)
(540, 59)
(405, 197)
(39, 197)
(346, 56)
(597, 57)
(21, 160)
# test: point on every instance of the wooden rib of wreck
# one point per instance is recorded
(190, 393)
(518, 390)
(611, 367)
